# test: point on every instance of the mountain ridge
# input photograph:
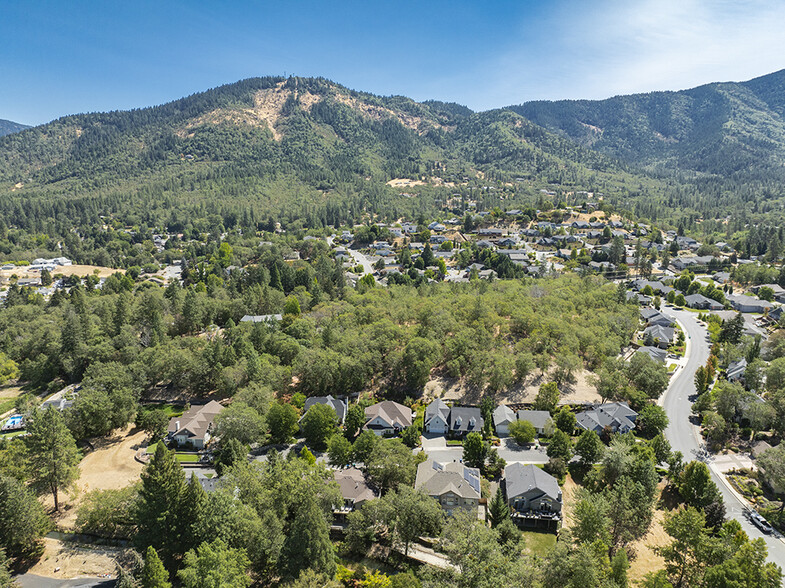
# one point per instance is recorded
(8, 127)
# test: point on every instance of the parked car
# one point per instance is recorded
(760, 522)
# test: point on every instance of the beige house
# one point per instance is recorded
(193, 428)
(388, 418)
(453, 484)
(354, 490)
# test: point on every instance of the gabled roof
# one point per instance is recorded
(437, 408)
(466, 419)
(338, 405)
(538, 418)
(394, 414)
(503, 415)
(659, 332)
(195, 421)
(736, 369)
(655, 353)
(520, 479)
(612, 414)
(436, 479)
(354, 486)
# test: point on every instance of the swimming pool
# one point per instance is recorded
(14, 422)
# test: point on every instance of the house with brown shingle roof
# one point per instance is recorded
(388, 418)
(193, 428)
(453, 485)
(354, 490)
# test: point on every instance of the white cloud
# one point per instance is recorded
(600, 49)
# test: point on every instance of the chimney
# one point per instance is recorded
(176, 426)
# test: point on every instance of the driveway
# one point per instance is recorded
(685, 437)
(436, 448)
(33, 581)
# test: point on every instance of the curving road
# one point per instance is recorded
(685, 437)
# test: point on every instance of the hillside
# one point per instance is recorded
(297, 151)
(8, 127)
(729, 129)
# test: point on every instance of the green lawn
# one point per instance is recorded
(187, 457)
(171, 410)
(10, 434)
(539, 543)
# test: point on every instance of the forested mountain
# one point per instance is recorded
(295, 151)
(8, 126)
(729, 129)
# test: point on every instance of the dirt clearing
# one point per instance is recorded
(64, 561)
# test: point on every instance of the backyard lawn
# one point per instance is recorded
(187, 457)
(539, 543)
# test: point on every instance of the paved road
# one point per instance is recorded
(685, 437)
(33, 581)
(437, 449)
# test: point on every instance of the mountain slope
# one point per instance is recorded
(729, 129)
(8, 127)
(286, 149)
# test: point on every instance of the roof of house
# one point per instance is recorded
(337, 404)
(659, 332)
(195, 421)
(520, 479)
(736, 369)
(436, 479)
(744, 300)
(611, 414)
(394, 414)
(261, 318)
(502, 415)
(466, 419)
(655, 353)
(538, 418)
(353, 485)
(437, 408)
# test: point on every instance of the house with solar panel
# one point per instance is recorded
(453, 485)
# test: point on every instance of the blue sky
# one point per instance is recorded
(59, 58)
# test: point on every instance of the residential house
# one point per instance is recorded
(736, 370)
(437, 416)
(503, 417)
(617, 416)
(261, 318)
(655, 353)
(339, 405)
(194, 427)
(701, 302)
(652, 316)
(355, 491)
(743, 303)
(660, 336)
(465, 420)
(533, 495)
(388, 418)
(721, 277)
(453, 485)
(692, 261)
(538, 418)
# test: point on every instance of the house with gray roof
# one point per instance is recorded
(437, 416)
(658, 335)
(339, 405)
(453, 485)
(736, 370)
(464, 420)
(538, 418)
(702, 302)
(503, 417)
(743, 303)
(194, 426)
(531, 494)
(654, 353)
(388, 418)
(617, 416)
(261, 318)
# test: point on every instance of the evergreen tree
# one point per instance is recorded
(54, 458)
(154, 574)
(498, 511)
(158, 509)
(308, 543)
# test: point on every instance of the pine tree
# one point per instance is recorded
(154, 574)
(191, 512)
(54, 458)
(308, 542)
(163, 485)
(498, 511)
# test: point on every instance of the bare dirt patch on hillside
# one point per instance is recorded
(581, 391)
(404, 182)
(109, 467)
(64, 561)
(67, 270)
